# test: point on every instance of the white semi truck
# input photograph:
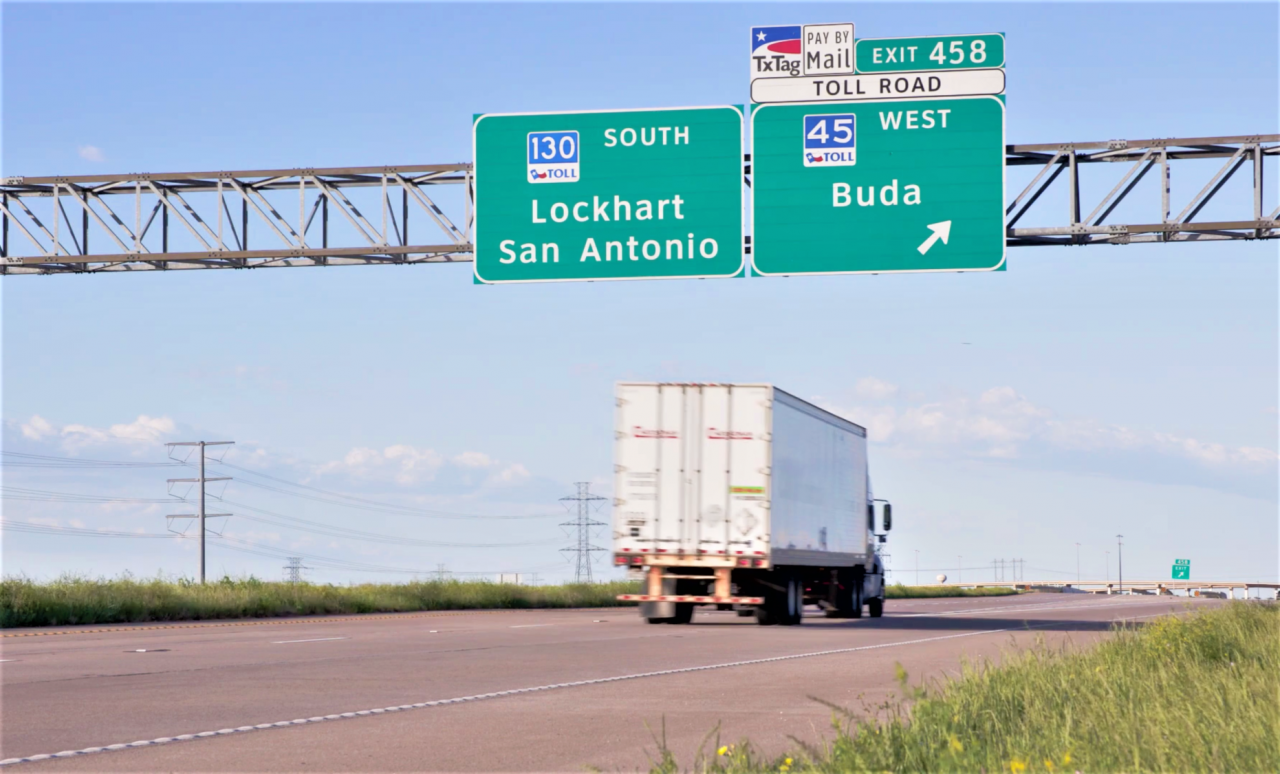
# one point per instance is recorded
(745, 497)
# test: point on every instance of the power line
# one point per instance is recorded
(45, 495)
(41, 495)
(9, 525)
(363, 503)
(345, 532)
(21, 460)
(582, 523)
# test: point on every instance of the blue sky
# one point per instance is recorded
(1083, 393)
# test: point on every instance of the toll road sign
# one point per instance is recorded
(1182, 569)
(924, 192)
(843, 88)
(621, 194)
(938, 52)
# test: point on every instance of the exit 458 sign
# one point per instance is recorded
(626, 194)
(878, 186)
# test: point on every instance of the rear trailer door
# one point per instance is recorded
(691, 467)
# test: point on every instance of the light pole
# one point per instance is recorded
(1077, 562)
(1120, 560)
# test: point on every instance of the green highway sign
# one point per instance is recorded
(878, 186)
(1182, 569)
(937, 52)
(619, 194)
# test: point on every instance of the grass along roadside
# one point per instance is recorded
(1195, 692)
(75, 600)
(899, 591)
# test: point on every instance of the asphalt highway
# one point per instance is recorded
(96, 687)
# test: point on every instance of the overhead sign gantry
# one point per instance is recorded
(865, 155)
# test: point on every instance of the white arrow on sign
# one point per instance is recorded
(940, 231)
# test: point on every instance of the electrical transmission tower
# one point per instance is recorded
(202, 515)
(582, 524)
(293, 570)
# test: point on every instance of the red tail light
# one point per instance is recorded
(619, 560)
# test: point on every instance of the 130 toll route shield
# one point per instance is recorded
(925, 191)
(638, 194)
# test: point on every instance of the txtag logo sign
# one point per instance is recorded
(553, 157)
(775, 51)
(830, 140)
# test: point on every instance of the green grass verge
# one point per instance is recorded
(899, 591)
(1198, 692)
(74, 600)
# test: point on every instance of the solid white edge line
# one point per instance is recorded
(515, 691)
(317, 639)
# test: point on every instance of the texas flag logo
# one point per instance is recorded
(775, 51)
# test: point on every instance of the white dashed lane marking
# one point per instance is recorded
(514, 692)
(317, 639)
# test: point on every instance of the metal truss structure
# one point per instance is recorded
(203, 220)
(1142, 156)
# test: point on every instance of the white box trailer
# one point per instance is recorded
(743, 495)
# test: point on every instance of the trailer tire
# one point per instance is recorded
(657, 620)
(793, 602)
(778, 604)
(875, 606)
(855, 610)
(684, 613)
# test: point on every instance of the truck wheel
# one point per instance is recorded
(684, 613)
(793, 603)
(875, 606)
(773, 611)
(657, 620)
(855, 610)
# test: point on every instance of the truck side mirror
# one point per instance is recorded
(888, 517)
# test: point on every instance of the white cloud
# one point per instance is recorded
(91, 153)
(38, 427)
(1002, 424)
(403, 463)
(144, 430)
(514, 473)
(871, 388)
(408, 465)
(474, 460)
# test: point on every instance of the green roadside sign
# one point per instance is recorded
(1182, 569)
(936, 52)
(621, 194)
(878, 186)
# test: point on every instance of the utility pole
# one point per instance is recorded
(582, 523)
(201, 481)
(1120, 560)
(1077, 562)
